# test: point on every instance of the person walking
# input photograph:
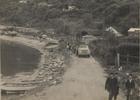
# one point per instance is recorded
(130, 86)
(68, 47)
(112, 86)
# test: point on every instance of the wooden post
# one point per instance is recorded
(118, 60)
(127, 59)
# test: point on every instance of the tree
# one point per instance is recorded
(87, 19)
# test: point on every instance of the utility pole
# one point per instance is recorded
(127, 59)
(118, 59)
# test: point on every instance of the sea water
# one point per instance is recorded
(17, 58)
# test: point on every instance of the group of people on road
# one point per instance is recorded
(112, 86)
(112, 82)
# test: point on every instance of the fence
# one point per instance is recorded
(127, 60)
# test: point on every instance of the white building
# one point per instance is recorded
(113, 31)
(134, 32)
(23, 1)
(88, 38)
(70, 8)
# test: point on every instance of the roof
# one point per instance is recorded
(114, 31)
(134, 30)
(23, 1)
(23, 29)
(90, 36)
(130, 44)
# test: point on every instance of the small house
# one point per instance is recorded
(113, 31)
(135, 32)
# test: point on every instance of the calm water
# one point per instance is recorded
(17, 58)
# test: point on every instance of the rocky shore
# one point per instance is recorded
(49, 72)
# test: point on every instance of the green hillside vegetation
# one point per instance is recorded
(121, 14)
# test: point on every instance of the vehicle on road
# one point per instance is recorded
(83, 50)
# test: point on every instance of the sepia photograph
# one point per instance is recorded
(69, 49)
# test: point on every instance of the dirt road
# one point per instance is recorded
(84, 80)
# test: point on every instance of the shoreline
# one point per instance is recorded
(33, 43)
(50, 70)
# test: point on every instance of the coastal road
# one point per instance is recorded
(84, 80)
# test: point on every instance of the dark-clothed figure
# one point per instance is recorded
(130, 85)
(68, 47)
(112, 86)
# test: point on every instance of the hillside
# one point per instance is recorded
(49, 13)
